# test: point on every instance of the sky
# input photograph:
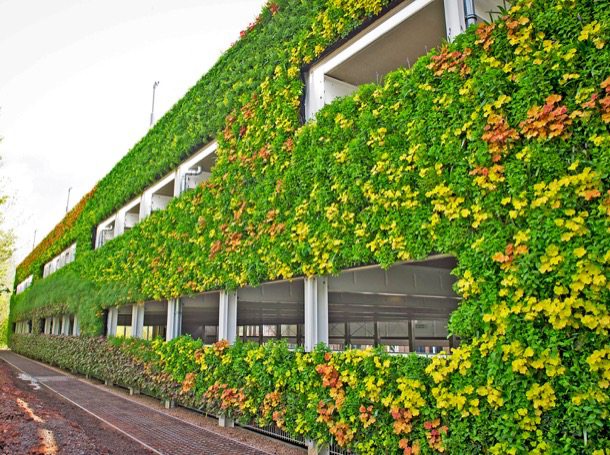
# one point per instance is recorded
(76, 83)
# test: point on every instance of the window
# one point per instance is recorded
(200, 316)
(405, 308)
(272, 311)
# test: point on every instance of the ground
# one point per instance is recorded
(44, 410)
(39, 422)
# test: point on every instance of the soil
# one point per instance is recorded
(35, 421)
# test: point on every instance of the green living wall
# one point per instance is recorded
(495, 148)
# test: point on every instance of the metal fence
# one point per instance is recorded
(274, 431)
(335, 449)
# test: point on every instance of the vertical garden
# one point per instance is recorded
(494, 148)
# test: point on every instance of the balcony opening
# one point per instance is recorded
(198, 173)
(24, 284)
(161, 197)
(272, 311)
(489, 10)
(64, 258)
(155, 320)
(123, 328)
(394, 41)
(132, 216)
(105, 232)
(200, 316)
(197, 169)
(405, 308)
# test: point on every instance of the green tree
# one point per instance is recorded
(7, 271)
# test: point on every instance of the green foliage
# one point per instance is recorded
(263, 384)
(495, 149)
(4, 333)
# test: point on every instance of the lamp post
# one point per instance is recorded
(68, 201)
(152, 112)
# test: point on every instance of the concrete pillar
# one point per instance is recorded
(169, 404)
(113, 319)
(227, 330)
(137, 320)
(56, 325)
(454, 18)
(47, 326)
(179, 180)
(119, 222)
(145, 205)
(66, 325)
(225, 422)
(174, 319)
(316, 312)
(227, 316)
(76, 326)
(314, 449)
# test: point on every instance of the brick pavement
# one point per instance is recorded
(159, 432)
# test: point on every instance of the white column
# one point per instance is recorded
(314, 95)
(65, 325)
(454, 18)
(316, 312)
(56, 325)
(227, 330)
(76, 327)
(178, 181)
(46, 326)
(137, 320)
(119, 223)
(145, 204)
(227, 316)
(113, 319)
(174, 319)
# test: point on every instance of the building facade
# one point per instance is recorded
(373, 175)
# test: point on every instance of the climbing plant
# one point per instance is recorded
(494, 148)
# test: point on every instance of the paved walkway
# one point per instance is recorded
(156, 431)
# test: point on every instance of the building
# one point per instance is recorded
(405, 308)
(267, 214)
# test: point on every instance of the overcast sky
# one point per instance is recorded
(76, 82)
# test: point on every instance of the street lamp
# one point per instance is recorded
(152, 112)
(68, 201)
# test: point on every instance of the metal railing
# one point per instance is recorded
(275, 432)
(335, 449)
